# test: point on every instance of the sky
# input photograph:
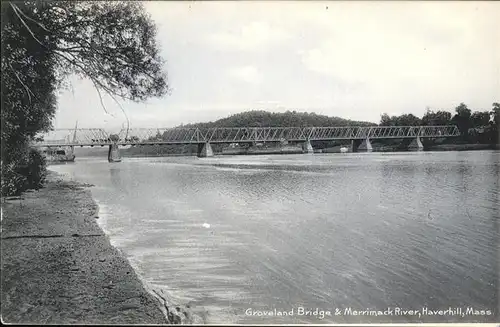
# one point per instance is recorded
(353, 60)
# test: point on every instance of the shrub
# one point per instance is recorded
(26, 171)
(37, 169)
(13, 182)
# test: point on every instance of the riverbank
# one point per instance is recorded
(58, 266)
(437, 147)
(463, 147)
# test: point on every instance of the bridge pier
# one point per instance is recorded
(205, 150)
(416, 145)
(307, 147)
(71, 152)
(354, 146)
(114, 153)
(365, 145)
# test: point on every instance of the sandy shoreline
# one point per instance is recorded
(58, 266)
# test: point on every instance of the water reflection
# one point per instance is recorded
(372, 230)
(115, 177)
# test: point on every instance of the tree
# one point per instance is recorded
(408, 120)
(402, 120)
(463, 111)
(494, 130)
(260, 118)
(385, 120)
(495, 112)
(480, 118)
(111, 43)
(439, 118)
(462, 119)
(28, 100)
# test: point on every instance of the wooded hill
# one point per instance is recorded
(253, 118)
(261, 118)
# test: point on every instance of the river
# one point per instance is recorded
(254, 239)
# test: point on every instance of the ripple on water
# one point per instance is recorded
(359, 230)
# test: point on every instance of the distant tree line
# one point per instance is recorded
(475, 127)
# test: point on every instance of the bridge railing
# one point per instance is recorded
(95, 136)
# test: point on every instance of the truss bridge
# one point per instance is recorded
(204, 137)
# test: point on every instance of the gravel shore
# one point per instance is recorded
(58, 266)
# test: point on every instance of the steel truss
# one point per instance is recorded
(98, 136)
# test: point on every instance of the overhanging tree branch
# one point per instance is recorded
(110, 49)
(25, 25)
(16, 8)
(96, 83)
(28, 91)
(110, 43)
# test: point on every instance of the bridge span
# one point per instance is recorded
(359, 136)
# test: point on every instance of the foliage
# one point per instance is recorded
(28, 171)
(112, 43)
(495, 112)
(480, 118)
(260, 118)
(462, 120)
(403, 120)
(476, 127)
(13, 182)
(36, 170)
(488, 134)
(439, 118)
(162, 150)
(28, 100)
(494, 130)
(28, 83)
(463, 111)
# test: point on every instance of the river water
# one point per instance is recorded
(254, 239)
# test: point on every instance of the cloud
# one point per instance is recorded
(372, 52)
(248, 74)
(416, 52)
(252, 37)
(355, 59)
